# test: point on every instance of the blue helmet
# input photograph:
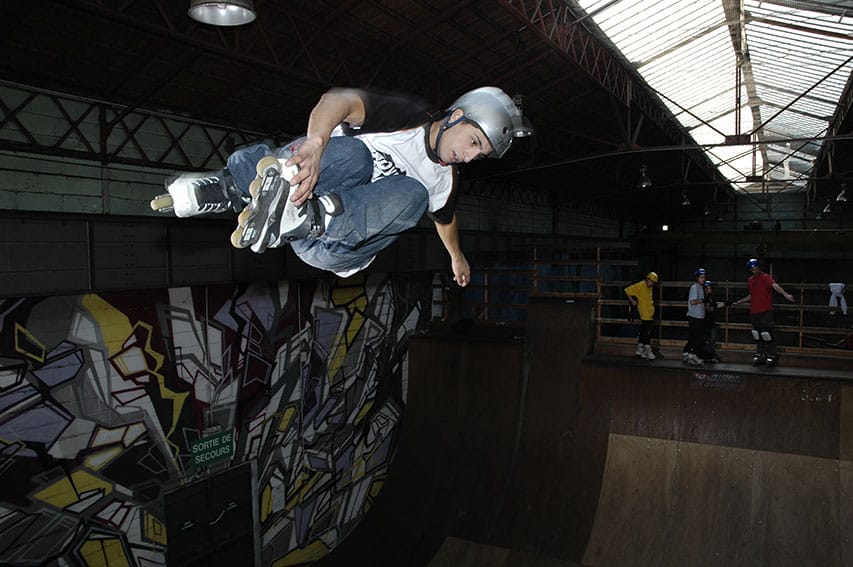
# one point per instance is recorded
(699, 272)
(708, 283)
(752, 263)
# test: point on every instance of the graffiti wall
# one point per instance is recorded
(105, 397)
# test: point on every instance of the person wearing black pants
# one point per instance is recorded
(695, 321)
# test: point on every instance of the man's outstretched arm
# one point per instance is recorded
(333, 108)
(784, 293)
(449, 235)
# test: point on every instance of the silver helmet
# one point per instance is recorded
(495, 113)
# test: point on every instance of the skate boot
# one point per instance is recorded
(758, 359)
(641, 351)
(200, 193)
(693, 360)
(685, 356)
(649, 354)
(271, 219)
(772, 360)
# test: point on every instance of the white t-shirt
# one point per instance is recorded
(404, 153)
(697, 311)
(395, 134)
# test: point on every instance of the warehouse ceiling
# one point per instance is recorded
(597, 122)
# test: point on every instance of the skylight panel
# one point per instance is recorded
(799, 64)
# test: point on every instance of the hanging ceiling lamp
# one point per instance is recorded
(526, 128)
(231, 13)
(644, 182)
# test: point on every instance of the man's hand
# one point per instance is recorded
(308, 160)
(461, 271)
(789, 297)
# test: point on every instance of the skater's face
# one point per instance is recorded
(463, 142)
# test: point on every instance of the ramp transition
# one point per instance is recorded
(524, 451)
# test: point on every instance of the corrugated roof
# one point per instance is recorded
(780, 66)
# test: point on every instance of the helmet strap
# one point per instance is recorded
(448, 123)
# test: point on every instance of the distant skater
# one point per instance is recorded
(760, 298)
(640, 298)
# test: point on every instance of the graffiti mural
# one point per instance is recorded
(103, 395)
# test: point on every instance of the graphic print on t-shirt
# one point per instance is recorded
(384, 166)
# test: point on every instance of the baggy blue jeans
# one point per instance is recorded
(374, 215)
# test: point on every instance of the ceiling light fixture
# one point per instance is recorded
(525, 129)
(230, 13)
(644, 182)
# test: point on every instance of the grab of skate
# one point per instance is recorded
(267, 218)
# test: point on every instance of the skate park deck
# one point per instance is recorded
(526, 451)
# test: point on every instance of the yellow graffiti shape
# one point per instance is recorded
(266, 503)
(87, 482)
(303, 485)
(114, 325)
(362, 413)
(96, 461)
(354, 297)
(104, 553)
(67, 490)
(154, 529)
(27, 344)
(116, 330)
(286, 418)
(178, 399)
(59, 494)
(347, 290)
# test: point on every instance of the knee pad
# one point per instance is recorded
(756, 335)
(766, 336)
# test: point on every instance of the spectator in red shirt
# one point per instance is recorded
(760, 298)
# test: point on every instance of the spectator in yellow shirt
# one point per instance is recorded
(640, 297)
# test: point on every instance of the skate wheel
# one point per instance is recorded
(162, 203)
(244, 217)
(267, 163)
(255, 187)
(237, 238)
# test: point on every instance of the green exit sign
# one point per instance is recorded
(212, 449)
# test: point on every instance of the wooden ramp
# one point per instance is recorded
(524, 451)
(665, 502)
